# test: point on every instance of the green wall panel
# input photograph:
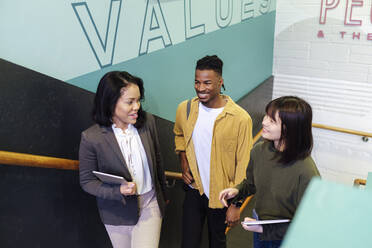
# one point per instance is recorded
(246, 49)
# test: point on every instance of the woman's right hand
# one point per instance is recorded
(227, 194)
(252, 228)
(128, 189)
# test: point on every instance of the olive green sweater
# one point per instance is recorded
(278, 188)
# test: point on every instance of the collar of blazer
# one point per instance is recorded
(110, 138)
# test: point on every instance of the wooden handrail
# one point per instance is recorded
(175, 175)
(257, 137)
(13, 158)
(358, 182)
(342, 130)
(245, 203)
(23, 159)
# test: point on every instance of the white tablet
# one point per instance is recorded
(109, 178)
(263, 222)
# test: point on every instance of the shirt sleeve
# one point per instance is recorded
(247, 186)
(244, 147)
(178, 129)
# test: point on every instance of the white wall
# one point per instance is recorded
(333, 73)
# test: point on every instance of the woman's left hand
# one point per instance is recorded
(128, 189)
(252, 228)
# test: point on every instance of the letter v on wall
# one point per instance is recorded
(103, 49)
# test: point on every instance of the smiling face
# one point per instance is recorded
(272, 130)
(127, 106)
(208, 87)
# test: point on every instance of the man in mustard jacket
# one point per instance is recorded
(213, 137)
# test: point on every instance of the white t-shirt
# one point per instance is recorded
(135, 157)
(202, 139)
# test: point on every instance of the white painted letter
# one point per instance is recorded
(349, 12)
(154, 27)
(191, 31)
(223, 21)
(265, 6)
(103, 49)
(247, 9)
(324, 7)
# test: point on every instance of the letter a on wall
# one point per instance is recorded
(103, 49)
(154, 27)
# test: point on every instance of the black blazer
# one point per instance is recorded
(100, 151)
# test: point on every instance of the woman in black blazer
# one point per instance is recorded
(124, 142)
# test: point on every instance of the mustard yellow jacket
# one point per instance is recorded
(231, 145)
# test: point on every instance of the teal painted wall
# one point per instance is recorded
(157, 40)
(246, 49)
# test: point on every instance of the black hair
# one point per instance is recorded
(108, 94)
(213, 63)
(296, 130)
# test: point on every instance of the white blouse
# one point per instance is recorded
(135, 157)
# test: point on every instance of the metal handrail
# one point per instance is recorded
(357, 181)
(342, 130)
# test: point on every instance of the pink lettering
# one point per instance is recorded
(324, 7)
(320, 34)
(350, 4)
(342, 34)
(369, 36)
(356, 35)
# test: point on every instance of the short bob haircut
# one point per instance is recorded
(213, 63)
(296, 134)
(108, 94)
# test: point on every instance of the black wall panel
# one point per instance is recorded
(44, 207)
(39, 114)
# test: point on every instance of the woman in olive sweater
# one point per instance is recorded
(279, 170)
